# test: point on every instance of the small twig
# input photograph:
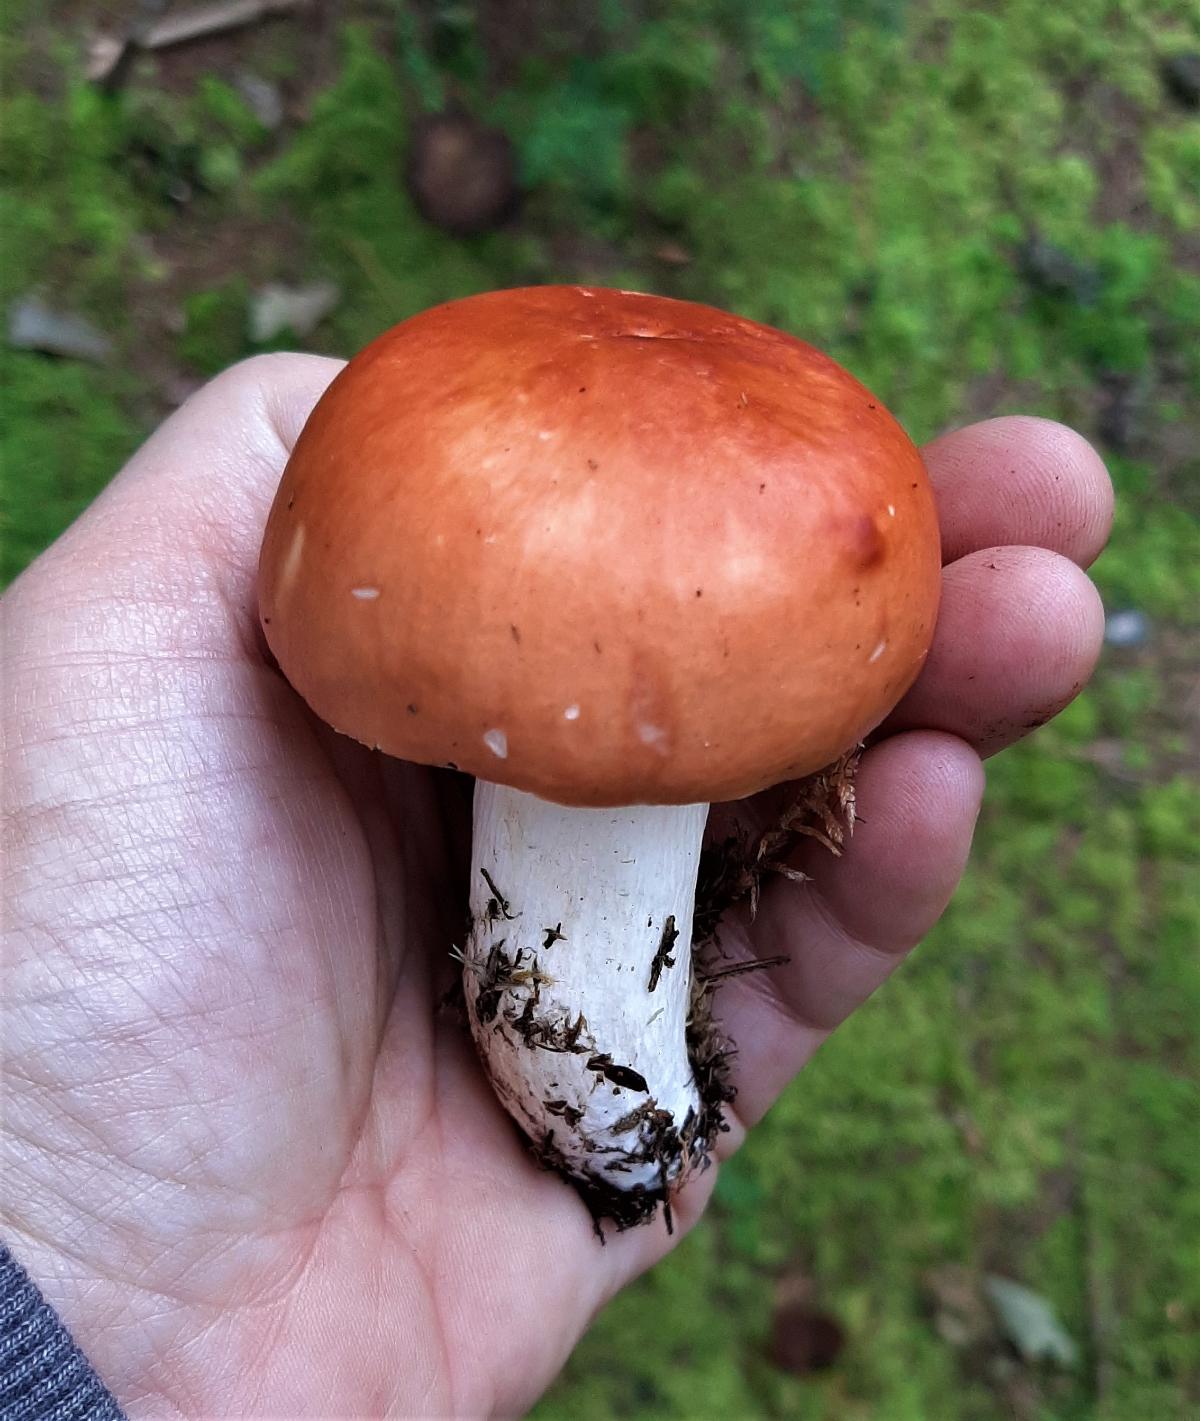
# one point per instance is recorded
(152, 30)
(760, 964)
(205, 20)
(503, 906)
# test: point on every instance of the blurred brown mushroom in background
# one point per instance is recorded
(461, 174)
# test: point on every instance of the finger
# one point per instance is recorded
(847, 928)
(1020, 480)
(1018, 633)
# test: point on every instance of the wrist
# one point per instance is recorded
(43, 1374)
(108, 1322)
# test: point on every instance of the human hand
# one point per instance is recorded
(249, 1162)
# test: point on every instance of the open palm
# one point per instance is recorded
(248, 1157)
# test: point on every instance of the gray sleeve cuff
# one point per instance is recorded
(43, 1375)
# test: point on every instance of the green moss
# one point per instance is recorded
(74, 214)
(63, 430)
(215, 332)
(1173, 174)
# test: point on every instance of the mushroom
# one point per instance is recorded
(618, 557)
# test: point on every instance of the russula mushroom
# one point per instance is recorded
(616, 556)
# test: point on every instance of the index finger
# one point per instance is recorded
(1020, 480)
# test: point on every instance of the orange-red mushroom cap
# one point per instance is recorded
(604, 547)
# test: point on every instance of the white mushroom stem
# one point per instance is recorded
(574, 913)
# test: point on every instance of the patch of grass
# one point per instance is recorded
(869, 174)
(214, 326)
(64, 429)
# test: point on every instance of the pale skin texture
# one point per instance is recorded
(245, 1158)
